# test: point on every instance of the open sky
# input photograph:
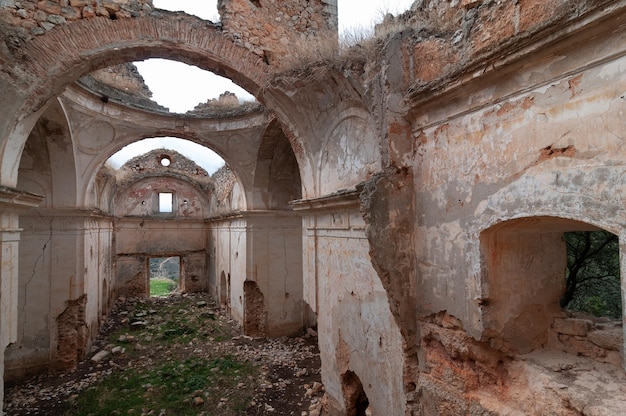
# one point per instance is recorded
(192, 85)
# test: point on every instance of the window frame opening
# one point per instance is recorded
(157, 279)
(165, 204)
(592, 276)
(524, 265)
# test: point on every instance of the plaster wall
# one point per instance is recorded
(503, 166)
(230, 237)
(48, 281)
(553, 149)
(275, 263)
(142, 198)
(356, 329)
(350, 154)
(137, 239)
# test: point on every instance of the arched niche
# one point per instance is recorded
(277, 175)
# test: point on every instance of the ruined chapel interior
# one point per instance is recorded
(407, 196)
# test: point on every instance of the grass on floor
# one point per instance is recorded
(177, 374)
(162, 286)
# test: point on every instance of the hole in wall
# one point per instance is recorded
(355, 398)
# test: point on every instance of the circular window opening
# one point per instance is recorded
(165, 161)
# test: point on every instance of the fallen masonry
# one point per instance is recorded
(286, 375)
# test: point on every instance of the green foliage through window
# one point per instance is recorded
(164, 273)
(592, 278)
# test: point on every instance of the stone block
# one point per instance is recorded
(71, 13)
(47, 25)
(88, 12)
(102, 11)
(572, 326)
(40, 16)
(79, 3)
(609, 339)
(56, 19)
(111, 7)
(49, 7)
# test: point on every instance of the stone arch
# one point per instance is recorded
(64, 54)
(47, 166)
(219, 148)
(309, 111)
(561, 189)
(277, 175)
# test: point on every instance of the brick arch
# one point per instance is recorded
(66, 53)
(70, 51)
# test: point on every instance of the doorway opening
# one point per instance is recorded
(164, 275)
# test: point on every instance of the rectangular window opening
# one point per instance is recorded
(166, 202)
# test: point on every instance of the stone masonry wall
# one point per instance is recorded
(270, 27)
(37, 17)
(72, 335)
(451, 36)
(266, 27)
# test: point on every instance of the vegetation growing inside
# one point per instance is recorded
(592, 277)
(182, 369)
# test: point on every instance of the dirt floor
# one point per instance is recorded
(141, 334)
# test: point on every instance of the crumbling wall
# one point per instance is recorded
(254, 314)
(37, 17)
(531, 143)
(72, 335)
(270, 27)
(452, 37)
(357, 331)
(140, 180)
(194, 272)
(137, 239)
(581, 335)
(228, 243)
(274, 252)
(124, 77)
(227, 197)
(131, 275)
